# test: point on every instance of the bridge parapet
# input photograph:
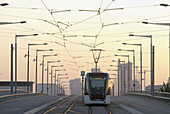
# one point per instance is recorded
(17, 96)
(163, 96)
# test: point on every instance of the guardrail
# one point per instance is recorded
(8, 92)
(17, 96)
(164, 96)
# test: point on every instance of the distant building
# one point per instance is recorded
(76, 86)
(124, 80)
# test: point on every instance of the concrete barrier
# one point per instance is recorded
(17, 96)
(165, 99)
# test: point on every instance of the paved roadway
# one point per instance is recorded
(142, 104)
(19, 106)
(119, 105)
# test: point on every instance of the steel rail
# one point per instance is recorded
(90, 109)
(108, 110)
(63, 101)
(69, 109)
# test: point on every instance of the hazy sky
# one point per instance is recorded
(74, 25)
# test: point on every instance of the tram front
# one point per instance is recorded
(99, 91)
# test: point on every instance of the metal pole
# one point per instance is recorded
(169, 53)
(11, 68)
(36, 71)
(96, 66)
(152, 78)
(144, 79)
(55, 84)
(151, 65)
(47, 77)
(28, 71)
(118, 75)
(51, 79)
(15, 64)
(42, 74)
(82, 87)
(128, 76)
(124, 78)
(59, 87)
(141, 65)
(121, 80)
(134, 68)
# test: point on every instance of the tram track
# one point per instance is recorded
(74, 102)
(60, 104)
(106, 108)
(57, 105)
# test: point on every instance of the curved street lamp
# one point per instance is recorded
(17, 36)
(38, 50)
(151, 59)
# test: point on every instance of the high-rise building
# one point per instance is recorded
(76, 86)
(124, 80)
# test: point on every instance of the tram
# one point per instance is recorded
(97, 89)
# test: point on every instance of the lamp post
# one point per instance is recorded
(43, 68)
(7, 23)
(55, 80)
(163, 24)
(38, 50)
(140, 58)
(28, 63)
(47, 71)
(128, 70)
(151, 56)
(61, 86)
(17, 36)
(133, 64)
(58, 83)
(52, 76)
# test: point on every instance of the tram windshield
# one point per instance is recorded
(97, 86)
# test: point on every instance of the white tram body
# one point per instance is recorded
(97, 88)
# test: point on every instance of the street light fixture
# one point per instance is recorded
(6, 23)
(163, 24)
(28, 62)
(43, 69)
(140, 58)
(133, 64)
(17, 36)
(47, 72)
(165, 5)
(39, 50)
(58, 82)
(57, 79)
(4, 4)
(151, 56)
(52, 75)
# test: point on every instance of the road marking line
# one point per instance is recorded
(131, 110)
